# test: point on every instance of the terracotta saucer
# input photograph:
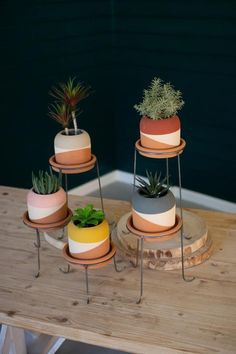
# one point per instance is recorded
(89, 262)
(48, 226)
(76, 168)
(160, 153)
(155, 236)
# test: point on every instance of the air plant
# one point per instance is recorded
(60, 112)
(70, 94)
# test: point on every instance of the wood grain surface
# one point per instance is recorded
(174, 317)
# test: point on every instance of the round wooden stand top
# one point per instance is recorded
(167, 255)
(155, 236)
(160, 153)
(73, 169)
(49, 226)
(89, 263)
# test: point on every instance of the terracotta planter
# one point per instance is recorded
(153, 214)
(89, 242)
(48, 208)
(72, 149)
(161, 133)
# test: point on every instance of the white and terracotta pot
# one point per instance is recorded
(89, 242)
(72, 149)
(47, 208)
(161, 133)
(153, 214)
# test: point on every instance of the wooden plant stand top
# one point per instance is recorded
(176, 317)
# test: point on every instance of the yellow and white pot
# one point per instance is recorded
(72, 149)
(89, 242)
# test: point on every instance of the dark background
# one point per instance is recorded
(118, 47)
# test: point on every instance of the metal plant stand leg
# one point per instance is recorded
(137, 254)
(37, 244)
(87, 285)
(141, 273)
(182, 228)
(63, 234)
(167, 172)
(65, 270)
(135, 166)
(99, 184)
(115, 265)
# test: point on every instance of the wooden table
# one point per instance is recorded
(175, 316)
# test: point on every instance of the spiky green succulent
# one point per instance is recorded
(160, 100)
(155, 187)
(45, 183)
(87, 216)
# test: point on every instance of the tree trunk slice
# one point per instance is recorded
(166, 255)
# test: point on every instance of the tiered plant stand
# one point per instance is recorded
(76, 169)
(43, 228)
(162, 236)
(90, 263)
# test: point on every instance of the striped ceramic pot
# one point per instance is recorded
(72, 149)
(161, 133)
(153, 214)
(47, 208)
(89, 242)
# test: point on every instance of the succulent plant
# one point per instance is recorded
(70, 94)
(155, 187)
(45, 183)
(87, 216)
(160, 100)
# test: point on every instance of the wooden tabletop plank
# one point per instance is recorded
(174, 317)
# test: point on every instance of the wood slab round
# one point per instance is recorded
(167, 255)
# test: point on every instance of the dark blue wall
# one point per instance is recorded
(118, 47)
(192, 45)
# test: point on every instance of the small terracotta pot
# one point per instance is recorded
(72, 149)
(89, 242)
(48, 208)
(153, 214)
(161, 133)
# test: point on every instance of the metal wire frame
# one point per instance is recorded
(157, 154)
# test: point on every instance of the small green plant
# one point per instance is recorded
(69, 94)
(160, 100)
(45, 183)
(155, 187)
(87, 216)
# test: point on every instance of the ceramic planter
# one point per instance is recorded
(153, 214)
(48, 208)
(72, 149)
(161, 133)
(89, 242)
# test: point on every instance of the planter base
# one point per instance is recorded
(73, 169)
(160, 153)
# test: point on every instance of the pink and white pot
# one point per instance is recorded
(47, 208)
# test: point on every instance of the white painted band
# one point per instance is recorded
(60, 150)
(78, 247)
(39, 213)
(170, 139)
(163, 219)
